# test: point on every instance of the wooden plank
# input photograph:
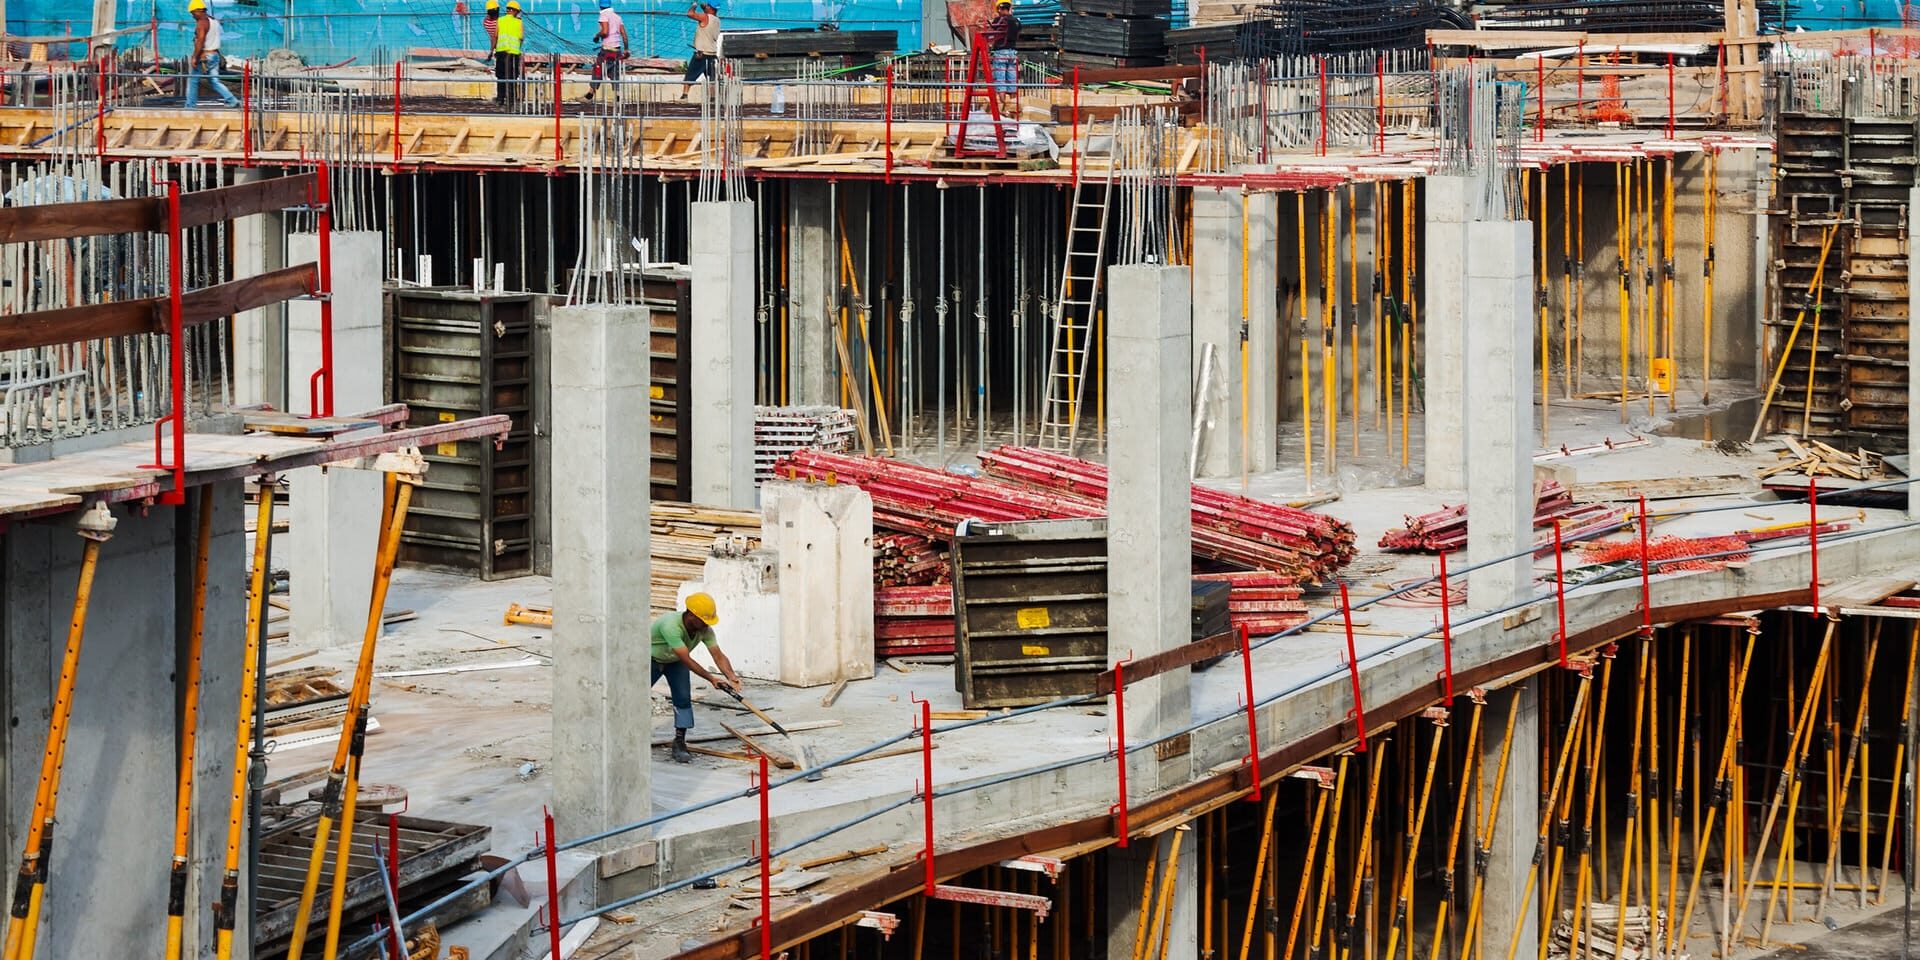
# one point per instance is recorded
(202, 207)
(1125, 74)
(87, 218)
(45, 328)
(1664, 488)
(1865, 592)
(15, 499)
(776, 758)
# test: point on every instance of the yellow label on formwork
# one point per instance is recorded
(1034, 650)
(1032, 618)
(446, 449)
(657, 393)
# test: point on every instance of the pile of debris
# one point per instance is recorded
(909, 560)
(1445, 530)
(909, 621)
(1601, 930)
(1816, 459)
(778, 431)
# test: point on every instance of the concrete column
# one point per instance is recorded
(1149, 520)
(1218, 282)
(336, 513)
(812, 284)
(222, 650)
(1127, 873)
(1913, 351)
(259, 336)
(824, 538)
(723, 327)
(1499, 368)
(1511, 851)
(1443, 324)
(1364, 228)
(602, 713)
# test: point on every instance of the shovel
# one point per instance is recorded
(806, 759)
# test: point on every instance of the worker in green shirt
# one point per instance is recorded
(675, 634)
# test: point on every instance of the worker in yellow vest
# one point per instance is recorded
(506, 55)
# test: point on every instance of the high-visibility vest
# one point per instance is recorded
(511, 30)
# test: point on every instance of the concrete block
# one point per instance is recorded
(823, 535)
(722, 333)
(747, 592)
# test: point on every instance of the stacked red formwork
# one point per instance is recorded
(1262, 602)
(913, 621)
(1445, 529)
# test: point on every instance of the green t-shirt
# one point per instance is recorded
(669, 632)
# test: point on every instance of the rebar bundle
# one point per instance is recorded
(1146, 147)
(608, 249)
(1280, 103)
(1849, 86)
(1481, 122)
(1307, 27)
(1618, 16)
(721, 174)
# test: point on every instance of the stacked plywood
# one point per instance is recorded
(683, 536)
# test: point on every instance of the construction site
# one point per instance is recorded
(1033, 441)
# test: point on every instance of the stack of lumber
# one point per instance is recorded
(1116, 33)
(1445, 529)
(683, 535)
(778, 431)
(785, 53)
(1601, 928)
(302, 699)
(1815, 459)
(909, 560)
(909, 621)
(1264, 603)
(1299, 544)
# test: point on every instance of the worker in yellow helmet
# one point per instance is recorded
(506, 55)
(205, 59)
(490, 22)
(675, 634)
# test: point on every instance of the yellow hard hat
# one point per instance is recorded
(513, 5)
(493, 4)
(698, 604)
(193, 5)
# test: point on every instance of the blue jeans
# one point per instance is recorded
(680, 687)
(1006, 68)
(209, 68)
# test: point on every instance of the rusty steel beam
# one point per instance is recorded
(46, 328)
(993, 898)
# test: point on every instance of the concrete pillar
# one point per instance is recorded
(1511, 851)
(1362, 313)
(1913, 351)
(723, 328)
(1499, 367)
(1218, 282)
(1443, 324)
(336, 513)
(813, 257)
(223, 646)
(602, 713)
(1127, 873)
(259, 336)
(824, 538)
(1149, 520)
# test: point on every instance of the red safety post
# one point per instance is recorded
(1580, 82)
(1253, 726)
(246, 113)
(1560, 589)
(1119, 809)
(1670, 101)
(1540, 99)
(1813, 540)
(766, 872)
(1380, 104)
(889, 173)
(100, 108)
(926, 787)
(1323, 107)
(176, 360)
(1353, 672)
(553, 886)
(319, 396)
(398, 78)
(1074, 139)
(1720, 79)
(559, 149)
(153, 28)
(1446, 623)
(393, 873)
(1646, 576)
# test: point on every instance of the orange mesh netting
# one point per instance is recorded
(1672, 554)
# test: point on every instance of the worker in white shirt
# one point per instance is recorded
(612, 39)
(205, 60)
(706, 44)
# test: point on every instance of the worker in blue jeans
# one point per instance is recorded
(205, 59)
(674, 636)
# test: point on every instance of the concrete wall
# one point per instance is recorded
(115, 818)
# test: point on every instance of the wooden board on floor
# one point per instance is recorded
(1664, 488)
(1865, 592)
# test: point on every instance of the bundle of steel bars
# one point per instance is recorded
(912, 620)
(1445, 529)
(909, 560)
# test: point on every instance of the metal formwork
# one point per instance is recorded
(1030, 610)
(455, 355)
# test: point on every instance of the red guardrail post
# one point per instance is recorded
(1540, 99)
(1670, 100)
(889, 173)
(1646, 576)
(176, 359)
(1120, 755)
(1323, 106)
(100, 108)
(393, 874)
(1580, 83)
(1253, 726)
(1380, 104)
(1353, 671)
(1075, 137)
(246, 113)
(926, 787)
(766, 872)
(553, 885)
(1813, 539)
(1560, 588)
(559, 152)
(319, 398)
(398, 66)
(1446, 623)
(1720, 78)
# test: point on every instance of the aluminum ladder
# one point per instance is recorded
(1074, 311)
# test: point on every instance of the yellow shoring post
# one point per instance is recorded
(1566, 280)
(1260, 867)
(1837, 813)
(1403, 889)
(338, 798)
(95, 527)
(1141, 922)
(1353, 307)
(1580, 287)
(1409, 194)
(1899, 765)
(1453, 838)
(1650, 805)
(1567, 750)
(1246, 390)
(1329, 350)
(1622, 234)
(1326, 869)
(1596, 754)
(1648, 335)
(1483, 839)
(1676, 800)
(1163, 919)
(1598, 719)
(866, 342)
(1540, 297)
(1630, 819)
(1207, 866)
(1321, 790)
(1818, 291)
(189, 728)
(1382, 244)
(1787, 784)
(1709, 208)
(1365, 859)
(1306, 369)
(919, 927)
(1666, 288)
(1813, 366)
(1781, 867)
(257, 588)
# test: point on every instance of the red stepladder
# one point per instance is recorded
(980, 87)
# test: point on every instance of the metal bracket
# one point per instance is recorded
(993, 898)
(1323, 776)
(1035, 863)
(886, 923)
